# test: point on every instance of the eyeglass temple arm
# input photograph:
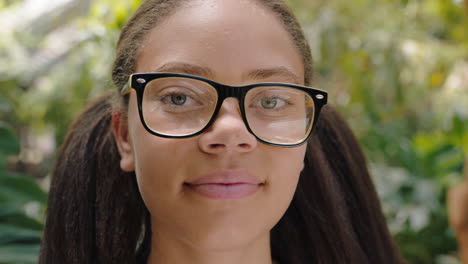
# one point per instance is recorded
(126, 88)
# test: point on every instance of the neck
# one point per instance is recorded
(167, 249)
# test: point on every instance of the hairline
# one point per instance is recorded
(292, 27)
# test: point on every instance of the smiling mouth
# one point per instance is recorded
(224, 191)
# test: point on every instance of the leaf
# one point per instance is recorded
(13, 234)
(20, 189)
(16, 217)
(9, 144)
(19, 253)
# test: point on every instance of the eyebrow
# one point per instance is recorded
(258, 74)
(274, 72)
(187, 68)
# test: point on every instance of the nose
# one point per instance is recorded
(228, 133)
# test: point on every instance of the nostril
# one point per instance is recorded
(216, 145)
(244, 145)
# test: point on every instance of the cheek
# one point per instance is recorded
(285, 167)
(160, 169)
(160, 164)
(152, 169)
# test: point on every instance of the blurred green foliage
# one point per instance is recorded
(399, 72)
(20, 200)
(397, 69)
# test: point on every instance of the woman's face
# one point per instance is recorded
(220, 189)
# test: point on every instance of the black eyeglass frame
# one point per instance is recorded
(138, 81)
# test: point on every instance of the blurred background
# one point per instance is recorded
(397, 70)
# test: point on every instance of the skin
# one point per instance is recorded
(457, 205)
(236, 43)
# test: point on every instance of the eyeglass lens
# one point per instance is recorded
(179, 106)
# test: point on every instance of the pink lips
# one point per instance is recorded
(231, 184)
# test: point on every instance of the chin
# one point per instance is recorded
(227, 238)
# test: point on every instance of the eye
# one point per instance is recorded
(178, 99)
(269, 103)
(272, 102)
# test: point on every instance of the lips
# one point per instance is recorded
(228, 184)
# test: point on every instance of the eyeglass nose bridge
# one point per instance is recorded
(226, 91)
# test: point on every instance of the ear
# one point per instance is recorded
(122, 139)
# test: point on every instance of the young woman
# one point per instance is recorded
(206, 152)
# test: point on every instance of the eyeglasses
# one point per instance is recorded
(174, 105)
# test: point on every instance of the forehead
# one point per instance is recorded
(226, 36)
